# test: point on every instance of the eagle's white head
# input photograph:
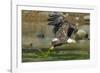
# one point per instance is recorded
(71, 41)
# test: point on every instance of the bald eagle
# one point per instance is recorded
(62, 29)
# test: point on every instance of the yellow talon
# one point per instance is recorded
(51, 48)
